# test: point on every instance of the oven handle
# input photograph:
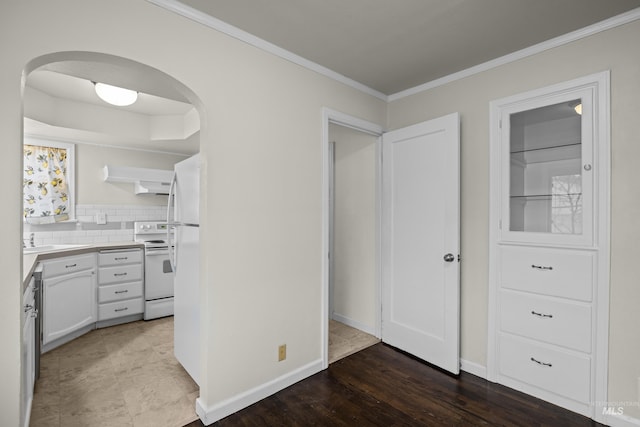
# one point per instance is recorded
(156, 252)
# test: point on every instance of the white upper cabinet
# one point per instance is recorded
(547, 165)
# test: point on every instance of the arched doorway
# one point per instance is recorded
(107, 372)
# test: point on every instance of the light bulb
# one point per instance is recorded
(578, 109)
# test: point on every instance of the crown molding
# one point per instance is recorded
(596, 28)
(216, 24)
(235, 32)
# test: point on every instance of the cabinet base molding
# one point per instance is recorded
(563, 402)
(101, 324)
(118, 321)
(70, 337)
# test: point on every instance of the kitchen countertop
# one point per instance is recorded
(30, 261)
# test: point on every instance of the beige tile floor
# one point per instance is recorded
(345, 340)
(127, 375)
(121, 376)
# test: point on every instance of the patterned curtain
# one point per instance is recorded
(45, 185)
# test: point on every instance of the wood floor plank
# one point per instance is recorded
(381, 386)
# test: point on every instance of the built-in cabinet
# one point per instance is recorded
(549, 249)
(69, 298)
(120, 283)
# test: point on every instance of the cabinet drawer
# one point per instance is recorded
(120, 257)
(555, 272)
(546, 367)
(109, 293)
(551, 320)
(68, 265)
(120, 273)
(112, 310)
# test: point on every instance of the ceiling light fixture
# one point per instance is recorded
(115, 95)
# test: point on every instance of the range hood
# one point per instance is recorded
(150, 187)
(146, 181)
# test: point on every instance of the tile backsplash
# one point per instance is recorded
(119, 226)
(121, 213)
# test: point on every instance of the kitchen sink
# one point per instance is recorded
(47, 248)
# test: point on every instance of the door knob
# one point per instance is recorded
(449, 258)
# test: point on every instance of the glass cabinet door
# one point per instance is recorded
(547, 170)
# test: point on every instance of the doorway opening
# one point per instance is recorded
(352, 229)
(162, 128)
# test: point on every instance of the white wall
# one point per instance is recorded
(614, 49)
(262, 181)
(354, 255)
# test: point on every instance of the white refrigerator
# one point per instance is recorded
(183, 219)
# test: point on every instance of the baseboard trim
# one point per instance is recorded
(621, 421)
(473, 368)
(354, 324)
(209, 415)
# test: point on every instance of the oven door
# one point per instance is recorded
(158, 275)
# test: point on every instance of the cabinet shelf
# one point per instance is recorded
(544, 196)
(552, 147)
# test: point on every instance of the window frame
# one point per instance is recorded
(70, 176)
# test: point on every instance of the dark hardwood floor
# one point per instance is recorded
(381, 386)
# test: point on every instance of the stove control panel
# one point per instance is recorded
(150, 227)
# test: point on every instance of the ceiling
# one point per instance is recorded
(388, 46)
(391, 46)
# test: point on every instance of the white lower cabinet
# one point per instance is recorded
(28, 350)
(544, 333)
(120, 284)
(69, 300)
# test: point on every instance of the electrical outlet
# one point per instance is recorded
(101, 218)
(282, 352)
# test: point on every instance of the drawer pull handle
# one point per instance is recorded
(541, 267)
(121, 258)
(119, 274)
(541, 363)
(70, 266)
(122, 292)
(548, 316)
(121, 309)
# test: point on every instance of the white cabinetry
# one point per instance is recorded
(549, 236)
(30, 315)
(69, 300)
(120, 284)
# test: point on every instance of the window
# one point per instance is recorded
(566, 204)
(48, 181)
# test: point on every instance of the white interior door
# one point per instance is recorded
(421, 240)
